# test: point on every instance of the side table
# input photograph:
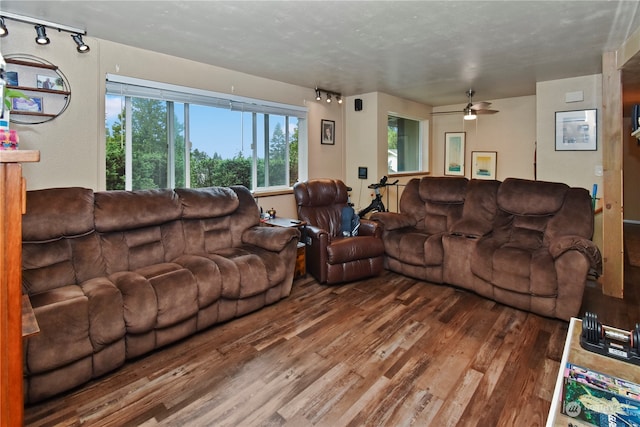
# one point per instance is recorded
(301, 260)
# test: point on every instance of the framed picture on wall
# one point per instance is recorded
(328, 128)
(454, 153)
(577, 130)
(31, 105)
(483, 164)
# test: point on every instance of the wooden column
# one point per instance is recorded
(12, 198)
(613, 252)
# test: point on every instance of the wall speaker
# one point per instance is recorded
(358, 104)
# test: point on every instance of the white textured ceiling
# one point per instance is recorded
(427, 51)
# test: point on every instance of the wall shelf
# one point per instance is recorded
(44, 83)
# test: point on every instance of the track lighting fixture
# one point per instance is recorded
(329, 96)
(82, 48)
(3, 28)
(41, 29)
(41, 35)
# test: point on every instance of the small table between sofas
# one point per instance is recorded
(301, 261)
(574, 353)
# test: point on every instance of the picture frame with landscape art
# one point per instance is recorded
(577, 130)
(483, 164)
(454, 153)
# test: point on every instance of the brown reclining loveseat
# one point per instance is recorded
(519, 242)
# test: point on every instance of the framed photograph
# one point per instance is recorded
(577, 130)
(31, 105)
(328, 128)
(49, 82)
(483, 164)
(454, 153)
(11, 77)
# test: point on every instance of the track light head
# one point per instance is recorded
(318, 95)
(82, 48)
(328, 98)
(339, 99)
(3, 28)
(41, 35)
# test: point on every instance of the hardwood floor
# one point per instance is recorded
(388, 351)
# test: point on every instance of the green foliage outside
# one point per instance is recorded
(392, 137)
(149, 159)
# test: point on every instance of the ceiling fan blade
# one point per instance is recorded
(480, 105)
(485, 111)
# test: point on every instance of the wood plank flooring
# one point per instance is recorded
(388, 351)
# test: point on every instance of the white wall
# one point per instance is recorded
(511, 133)
(367, 143)
(576, 168)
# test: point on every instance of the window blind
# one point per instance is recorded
(140, 88)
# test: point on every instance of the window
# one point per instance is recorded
(404, 139)
(165, 136)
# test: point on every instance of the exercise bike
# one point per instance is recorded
(376, 204)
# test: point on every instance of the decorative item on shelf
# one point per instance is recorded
(9, 96)
(8, 139)
(272, 213)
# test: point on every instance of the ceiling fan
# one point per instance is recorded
(472, 109)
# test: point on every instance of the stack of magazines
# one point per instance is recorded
(591, 398)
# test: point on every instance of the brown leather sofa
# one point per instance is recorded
(519, 242)
(331, 257)
(114, 275)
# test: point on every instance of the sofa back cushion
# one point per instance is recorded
(138, 228)
(534, 212)
(214, 218)
(443, 199)
(320, 203)
(59, 244)
(479, 209)
(531, 198)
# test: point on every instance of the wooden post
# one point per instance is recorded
(613, 252)
(11, 210)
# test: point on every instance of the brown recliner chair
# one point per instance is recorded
(331, 257)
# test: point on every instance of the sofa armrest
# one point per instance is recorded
(369, 228)
(562, 244)
(317, 241)
(393, 221)
(270, 238)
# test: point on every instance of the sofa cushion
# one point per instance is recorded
(479, 209)
(347, 249)
(207, 202)
(525, 197)
(63, 318)
(127, 210)
(48, 265)
(443, 202)
(57, 212)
